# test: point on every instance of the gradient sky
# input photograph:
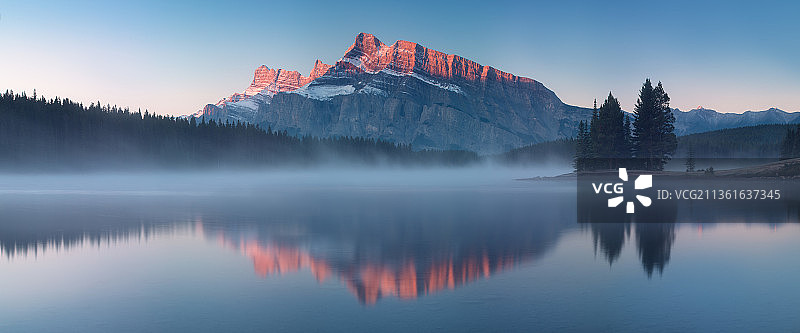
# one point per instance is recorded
(173, 58)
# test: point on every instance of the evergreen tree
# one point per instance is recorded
(690, 164)
(603, 143)
(654, 139)
(583, 148)
(628, 148)
(790, 147)
(611, 144)
(590, 161)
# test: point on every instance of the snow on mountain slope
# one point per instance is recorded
(323, 92)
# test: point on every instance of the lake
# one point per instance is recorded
(365, 250)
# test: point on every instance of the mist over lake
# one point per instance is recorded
(366, 249)
(424, 166)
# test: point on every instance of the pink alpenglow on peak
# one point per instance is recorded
(370, 55)
(274, 81)
(269, 82)
(405, 93)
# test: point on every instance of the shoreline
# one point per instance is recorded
(786, 170)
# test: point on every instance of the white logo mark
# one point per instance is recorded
(642, 182)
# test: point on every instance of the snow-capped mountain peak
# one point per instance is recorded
(406, 93)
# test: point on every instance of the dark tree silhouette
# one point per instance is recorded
(790, 147)
(654, 241)
(605, 144)
(690, 162)
(653, 135)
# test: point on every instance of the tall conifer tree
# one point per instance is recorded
(653, 135)
(610, 143)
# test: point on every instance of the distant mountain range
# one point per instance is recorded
(704, 120)
(409, 94)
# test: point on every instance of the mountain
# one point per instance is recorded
(266, 83)
(704, 120)
(409, 94)
(404, 93)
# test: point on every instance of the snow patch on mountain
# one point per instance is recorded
(250, 104)
(323, 92)
(370, 90)
(445, 86)
(442, 85)
(358, 63)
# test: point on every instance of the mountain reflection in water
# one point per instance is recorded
(386, 243)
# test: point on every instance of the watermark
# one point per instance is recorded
(729, 195)
(642, 182)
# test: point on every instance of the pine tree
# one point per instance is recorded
(628, 148)
(593, 127)
(605, 141)
(583, 147)
(610, 144)
(592, 137)
(654, 139)
(790, 147)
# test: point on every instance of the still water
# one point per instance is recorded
(373, 251)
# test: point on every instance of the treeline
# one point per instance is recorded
(611, 139)
(557, 151)
(760, 141)
(790, 146)
(59, 134)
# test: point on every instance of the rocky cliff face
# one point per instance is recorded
(370, 55)
(405, 93)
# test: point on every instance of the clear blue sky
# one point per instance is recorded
(174, 57)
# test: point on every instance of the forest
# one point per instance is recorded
(612, 139)
(38, 134)
(760, 141)
(560, 151)
(790, 146)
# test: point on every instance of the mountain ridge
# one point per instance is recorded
(372, 56)
(272, 81)
(410, 94)
(703, 120)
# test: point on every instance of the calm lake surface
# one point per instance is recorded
(464, 250)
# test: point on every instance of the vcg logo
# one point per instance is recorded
(642, 182)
